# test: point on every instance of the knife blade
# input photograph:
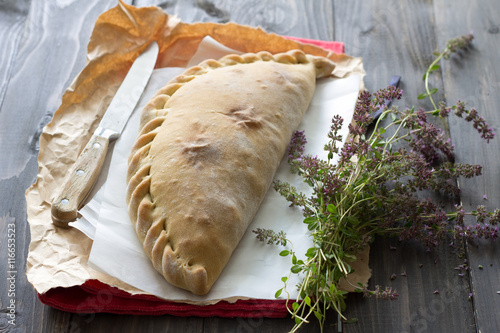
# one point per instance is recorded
(83, 174)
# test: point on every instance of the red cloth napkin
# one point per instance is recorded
(94, 296)
(335, 47)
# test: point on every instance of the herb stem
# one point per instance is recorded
(427, 74)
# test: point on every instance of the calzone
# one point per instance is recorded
(209, 145)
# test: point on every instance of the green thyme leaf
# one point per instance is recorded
(309, 219)
(311, 252)
(284, 253)
(351, 321)
(433, 91)
(434, 68)
(318, 315)
(350, 257)
(331, 208)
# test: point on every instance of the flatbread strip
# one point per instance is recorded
(209, 145)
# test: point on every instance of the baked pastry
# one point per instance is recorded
(209, 145)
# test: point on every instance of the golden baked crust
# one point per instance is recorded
(209, 145)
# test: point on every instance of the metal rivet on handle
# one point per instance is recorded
(96, 145)
(80, 172)
(64, 202)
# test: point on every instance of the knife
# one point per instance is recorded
(84, 173)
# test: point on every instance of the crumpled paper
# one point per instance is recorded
(59, 257)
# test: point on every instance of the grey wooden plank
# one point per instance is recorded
(398, 38)
(111, 323)
(307, 19)
(418, 308)
(44, 50)
(474, 76)
(12, 18)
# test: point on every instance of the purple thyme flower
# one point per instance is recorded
(458, 43)
(481, 213)
(387, 294)
(386, 95)
(460, 109)
(478, 122)
(443, 109)
(495, 217)
(297, 145)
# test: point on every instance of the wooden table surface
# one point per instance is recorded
(43, 47)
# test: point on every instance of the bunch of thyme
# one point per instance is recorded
(374, 188)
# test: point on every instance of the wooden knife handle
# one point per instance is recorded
(79, 182)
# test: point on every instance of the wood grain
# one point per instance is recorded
(111, 323)
(43, 47)
(474, 76)
(308, 19)
(12, 15)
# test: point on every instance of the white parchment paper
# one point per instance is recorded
(255, 269)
